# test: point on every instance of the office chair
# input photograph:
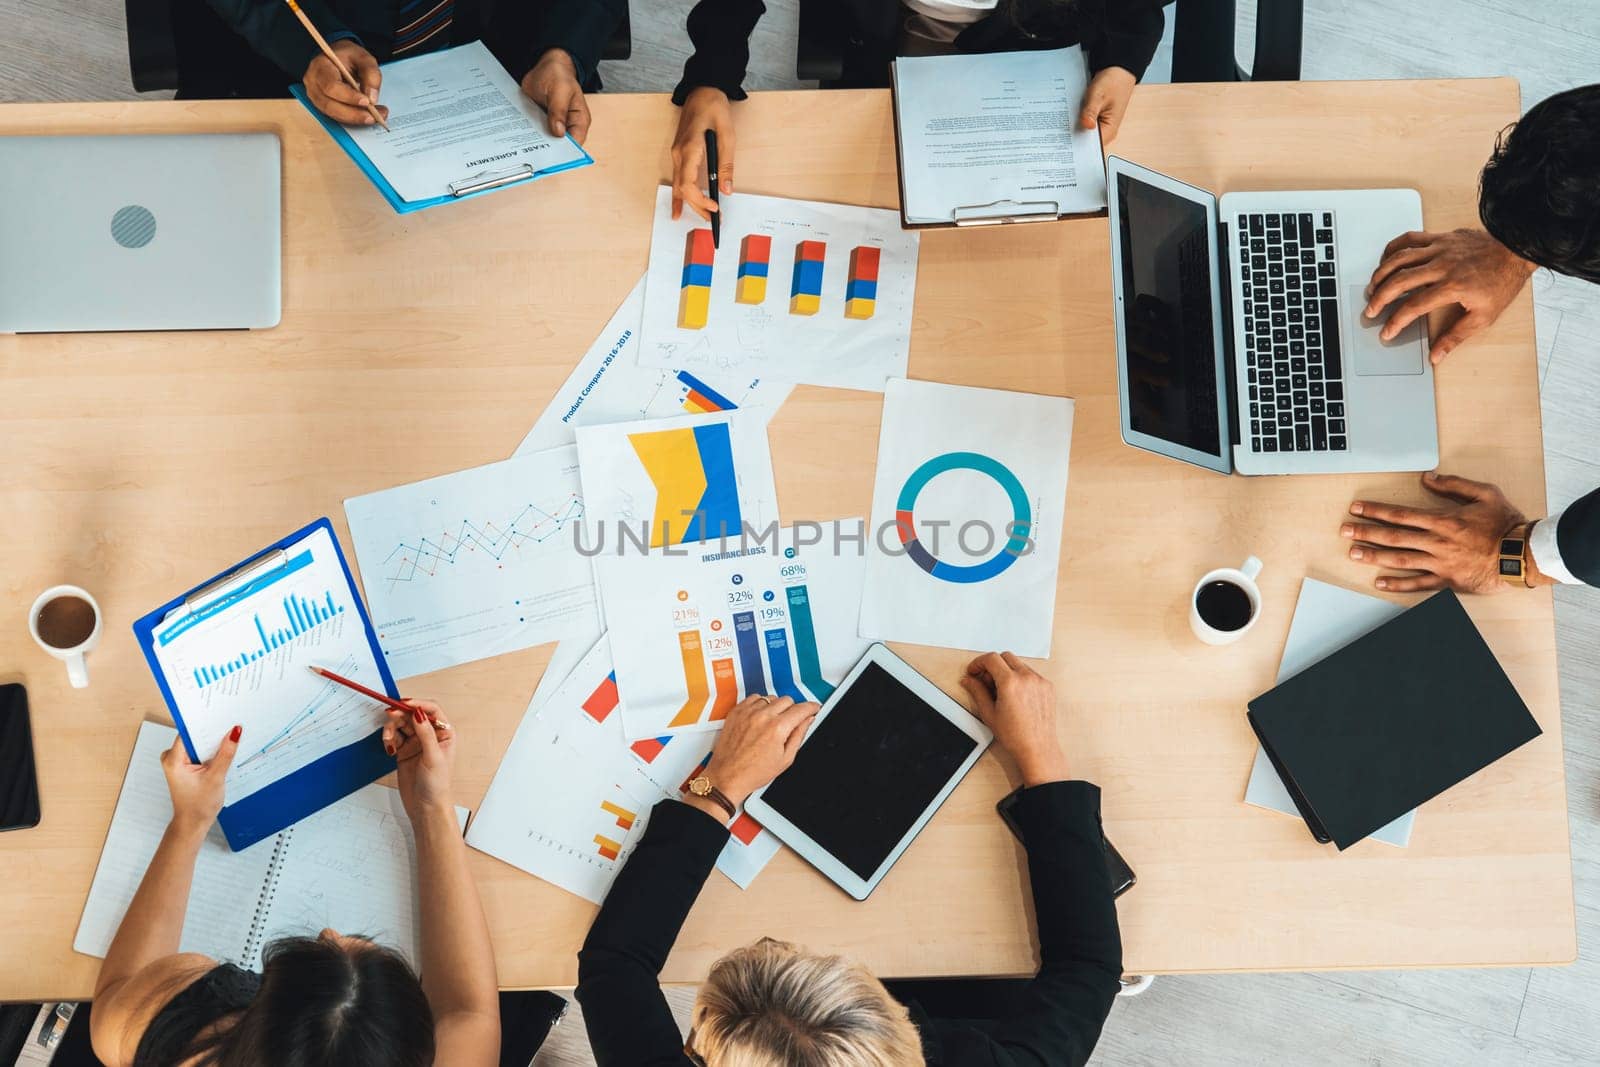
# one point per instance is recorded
(1203, 49)
(183, 45)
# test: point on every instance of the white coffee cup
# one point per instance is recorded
(73, 656)
(1243, 578)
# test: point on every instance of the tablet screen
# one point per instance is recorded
(870, 768)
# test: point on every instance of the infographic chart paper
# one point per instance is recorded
(244, 660)
(799, 291)
(568, 802)
(608, 385)
(570, 799)
(677, 481)
(967, 513)
(695, 632)
(476, 563)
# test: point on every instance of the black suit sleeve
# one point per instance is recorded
(1578, 538)
(521, 31)
(274, 33)
(1056, 1021)
(628, 1019)
(720, 31)
(1131, 35)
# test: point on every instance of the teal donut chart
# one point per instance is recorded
(1021, 517)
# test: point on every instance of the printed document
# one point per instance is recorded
(456, 117)
(991, 136)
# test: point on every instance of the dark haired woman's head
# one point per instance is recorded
(331, 1001)
(1540, 191)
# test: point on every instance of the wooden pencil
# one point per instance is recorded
(333, 57)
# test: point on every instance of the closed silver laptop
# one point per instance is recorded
(140, 232)
(1241, 343)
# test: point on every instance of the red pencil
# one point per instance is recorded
(382, 698)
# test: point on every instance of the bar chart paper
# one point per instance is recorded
(243, 658)
(696, 631)
(570, 799)
(476, 563)
(799, 291)
(608, 385)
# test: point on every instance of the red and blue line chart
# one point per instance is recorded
(476, 563)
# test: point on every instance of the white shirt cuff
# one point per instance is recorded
(1546, 555)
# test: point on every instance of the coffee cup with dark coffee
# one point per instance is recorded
(65, 621)
(1226, 603)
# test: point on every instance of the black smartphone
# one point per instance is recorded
(19, 782)
(1122, 876)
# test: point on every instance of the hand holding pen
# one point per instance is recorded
(401, 712)
(705, 110)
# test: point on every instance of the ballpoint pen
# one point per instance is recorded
(711, 185)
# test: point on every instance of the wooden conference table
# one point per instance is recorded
(414, 346)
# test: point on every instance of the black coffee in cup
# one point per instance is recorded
(1224, 606)
(66, 622)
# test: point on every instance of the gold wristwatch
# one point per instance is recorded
(1513, 555)
(701, 786)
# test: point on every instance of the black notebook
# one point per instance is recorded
(1390, 721)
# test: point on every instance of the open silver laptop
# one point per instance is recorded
(1241, 344)
(139, 232)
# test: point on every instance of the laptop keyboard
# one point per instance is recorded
(1291, 323)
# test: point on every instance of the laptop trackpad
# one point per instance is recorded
(1369, 354)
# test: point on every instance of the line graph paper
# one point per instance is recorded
(476, 563)
(423, 557)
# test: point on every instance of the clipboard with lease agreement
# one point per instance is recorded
(994, 138)
(459, 126)
(235, 650)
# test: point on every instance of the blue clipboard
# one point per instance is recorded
(486, 184)
(317, 784)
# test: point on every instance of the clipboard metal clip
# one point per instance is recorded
(224, 587)
(480, 182)
(1001, 212)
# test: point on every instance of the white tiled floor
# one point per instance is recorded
(73, 49)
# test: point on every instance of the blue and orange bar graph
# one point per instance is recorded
(699, 398)
(649, 748)
(755, 254)
(302, 616)
(861, 285)
(805, 290)
(603, 701)
(694, 300)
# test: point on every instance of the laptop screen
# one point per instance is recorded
(1172, 379)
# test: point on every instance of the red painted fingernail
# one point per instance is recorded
(416, 713)
(233, 735)
(388, 748)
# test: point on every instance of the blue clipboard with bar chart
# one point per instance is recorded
(237, 650)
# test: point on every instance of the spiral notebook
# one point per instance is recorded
(351, 866)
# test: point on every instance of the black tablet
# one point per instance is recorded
(883, 753)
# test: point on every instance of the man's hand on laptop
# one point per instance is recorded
(325, 88)
(1456, 546)
(1440, 270)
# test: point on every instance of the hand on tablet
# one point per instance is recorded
(1019, 705)
(758, 743)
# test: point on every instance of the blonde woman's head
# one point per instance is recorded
(772, 1005)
